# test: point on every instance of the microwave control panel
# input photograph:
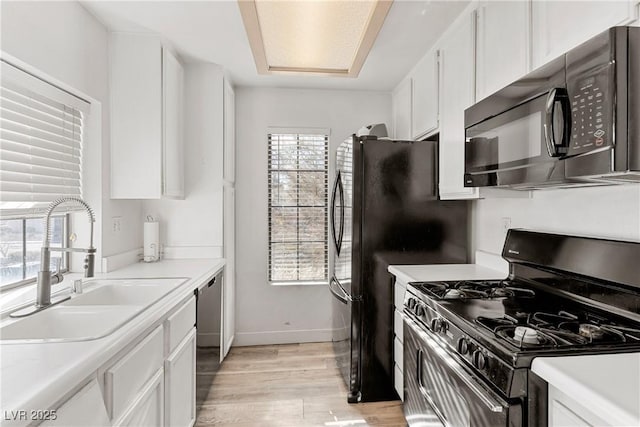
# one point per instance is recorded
(591, 111)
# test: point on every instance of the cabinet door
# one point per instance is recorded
(457, 93)
(401, 106)
(228, 289)
(424, 98)
(229, 172)
(180, 383)
(85, 408)
(558, 26)
(173, 140)
(135, 65)
(147, 409)
(502, 42)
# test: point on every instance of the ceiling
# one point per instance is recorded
(212, 31)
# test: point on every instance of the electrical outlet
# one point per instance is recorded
(506, 224)
(116, 225)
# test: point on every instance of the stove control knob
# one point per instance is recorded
(463, 346)
(411, 302)
(419, 311)
(479, 359)
(436, 324)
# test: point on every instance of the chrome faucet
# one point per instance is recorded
(45, 277)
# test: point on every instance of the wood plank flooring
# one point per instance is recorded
(292, 385)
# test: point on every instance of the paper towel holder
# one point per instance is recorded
(151, 249)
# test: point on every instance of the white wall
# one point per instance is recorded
(610, 212)
(64, 41)
(196, 221)
(277, 314)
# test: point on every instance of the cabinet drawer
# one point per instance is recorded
(398, 328)
(398, 294)
(178, 325)
(126, 378)
(398, 381)
(398, 357)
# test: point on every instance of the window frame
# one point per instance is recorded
(65, 244)
(326, 134)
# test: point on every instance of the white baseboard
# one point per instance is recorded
(282, 337)
(208, 339)
(192, 252)
(114, 262)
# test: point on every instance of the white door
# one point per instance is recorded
(180, 384)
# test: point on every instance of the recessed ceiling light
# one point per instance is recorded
(323, 37)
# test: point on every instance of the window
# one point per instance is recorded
(298, 207)
(20, 243)
(41, 137)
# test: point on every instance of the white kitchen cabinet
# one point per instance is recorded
(424, 96)
(457, 91)
(85, 408)
(147, 408)
(180, 383)
(147, 160)
(401, 110)
(558, 26)
(566, 412)
(399, 289)
(502, 44)
(228, 288)
(229, 172)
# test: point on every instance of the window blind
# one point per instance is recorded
(40, 143)
(298, 207)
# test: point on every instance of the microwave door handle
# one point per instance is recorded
(557, 97)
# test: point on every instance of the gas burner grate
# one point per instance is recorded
(465, 289)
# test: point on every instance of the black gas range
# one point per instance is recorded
(469, 344)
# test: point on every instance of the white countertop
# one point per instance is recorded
(444, 272)
(607, 385)
(487, 267)
(36, 376)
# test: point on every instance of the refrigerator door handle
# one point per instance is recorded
(342, 296)
(341, 234)
(333, 212)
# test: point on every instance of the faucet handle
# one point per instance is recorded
(57, 276)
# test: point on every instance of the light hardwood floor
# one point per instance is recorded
(293, 385)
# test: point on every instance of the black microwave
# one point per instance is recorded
(573, 122)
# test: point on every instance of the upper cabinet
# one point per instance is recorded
(558, 26)
(229, 173)
(147, 84)
(401, 108)
(502, 44)
(457, 90)
(424, 96)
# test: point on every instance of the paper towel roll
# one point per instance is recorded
(151, 241)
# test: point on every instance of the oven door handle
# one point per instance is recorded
(489, 401)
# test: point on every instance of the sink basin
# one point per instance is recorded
(128, 293)
(69, 323)
(105, 306)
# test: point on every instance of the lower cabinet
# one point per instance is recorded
(151, 383)
(180, 383)
(398, 340)
(564, 411)
(146, 410)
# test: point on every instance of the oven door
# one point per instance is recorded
(520, 146)
(440, 390)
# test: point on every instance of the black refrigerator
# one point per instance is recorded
(384, 210)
